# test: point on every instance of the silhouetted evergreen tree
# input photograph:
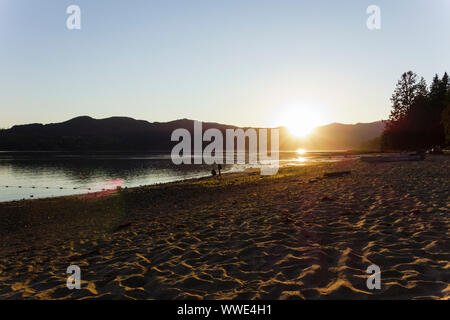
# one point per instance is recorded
(434, 89)
(403, 97)
(416, 119)
(437, 103)
(446, 119)
(408, 101)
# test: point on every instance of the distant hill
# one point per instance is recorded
(338, 136)
(127, 134)
(88, 134)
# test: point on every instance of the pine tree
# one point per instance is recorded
(437, 104)
(419, 118)
(422, 88)
(444, 86)
(446, 117)
(434, 90)
(406, 90)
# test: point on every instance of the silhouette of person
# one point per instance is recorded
(219, 167)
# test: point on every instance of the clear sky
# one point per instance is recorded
(238, 62)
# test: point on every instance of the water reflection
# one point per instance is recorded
(23, 176)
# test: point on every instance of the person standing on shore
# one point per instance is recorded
(219, 167)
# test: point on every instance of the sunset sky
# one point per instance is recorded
(242, 62)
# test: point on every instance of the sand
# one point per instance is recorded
(295, 235)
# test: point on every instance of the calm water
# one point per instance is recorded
(25, 176)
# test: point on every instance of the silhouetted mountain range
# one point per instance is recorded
(338, 136)
(127, 134)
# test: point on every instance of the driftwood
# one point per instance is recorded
(336, 174)
(394, 158)
(122, 226)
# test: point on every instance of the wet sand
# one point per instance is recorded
(295, 235)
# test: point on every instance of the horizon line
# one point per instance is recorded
(179, 119)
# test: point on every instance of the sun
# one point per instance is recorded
(300, 120)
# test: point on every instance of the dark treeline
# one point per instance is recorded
(420, 115)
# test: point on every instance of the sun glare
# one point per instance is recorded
(300, 120)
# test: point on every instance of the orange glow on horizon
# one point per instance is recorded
(299, 118)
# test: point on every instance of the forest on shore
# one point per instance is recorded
(420, 116)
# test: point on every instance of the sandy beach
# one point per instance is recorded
(295, 235)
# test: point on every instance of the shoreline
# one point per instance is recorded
(99, 192)
(107, 192)
(295, 235)
(312, 157)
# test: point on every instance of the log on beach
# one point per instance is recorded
(336, 174)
